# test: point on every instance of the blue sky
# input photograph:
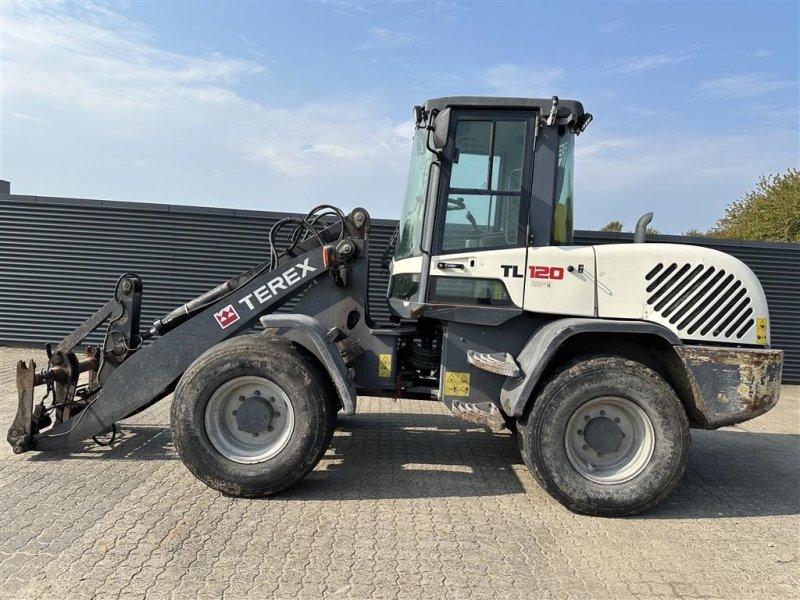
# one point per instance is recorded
(281, 106)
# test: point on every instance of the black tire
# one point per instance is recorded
(306, 388)
(543, 436)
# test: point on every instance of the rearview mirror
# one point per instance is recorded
(440, 129)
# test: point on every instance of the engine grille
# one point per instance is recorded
(700, 300)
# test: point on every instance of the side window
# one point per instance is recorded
(562, 215)
(484, 196)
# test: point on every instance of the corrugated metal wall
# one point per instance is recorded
(60, 257)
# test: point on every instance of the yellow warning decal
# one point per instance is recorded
(761, 331)
(384, 365)
(456, 384)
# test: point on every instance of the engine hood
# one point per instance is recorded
(699, 293)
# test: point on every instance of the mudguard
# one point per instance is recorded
(545, 342)
(311, 335)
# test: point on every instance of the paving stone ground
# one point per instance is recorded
(409, 502)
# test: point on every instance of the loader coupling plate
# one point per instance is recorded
(20, 434)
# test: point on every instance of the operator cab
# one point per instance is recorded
(489, 179)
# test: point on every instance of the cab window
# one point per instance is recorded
(484, 195)
(562, 215)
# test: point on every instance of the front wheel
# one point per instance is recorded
(252, 416)
(606, 436)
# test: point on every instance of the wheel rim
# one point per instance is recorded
(249, 419)
(609, 440)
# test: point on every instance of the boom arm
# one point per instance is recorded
(151, 373)
(147, 374)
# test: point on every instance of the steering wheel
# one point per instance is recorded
(455, 204)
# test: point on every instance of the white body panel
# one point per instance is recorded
(407, 265)
(699, 293)
(552, 288)
(486, 265)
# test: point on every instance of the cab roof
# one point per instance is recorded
(543, 105)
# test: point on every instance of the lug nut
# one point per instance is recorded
(580, 431)
(602, 413)
(17, 449)
(585, 447)
(257, 392)
(234, 413)
(272, 399)
(277, 414)
(241, 398)
(616, 420)
(586, 417)
(269, 428)
(599, 455)
(255, 435)
(13, 433)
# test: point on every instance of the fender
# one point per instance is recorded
(546, 341)
(309, 333)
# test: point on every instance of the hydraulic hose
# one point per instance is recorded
(304, 229)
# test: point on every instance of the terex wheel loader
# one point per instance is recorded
(599, 357)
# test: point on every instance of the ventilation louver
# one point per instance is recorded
(700, 300)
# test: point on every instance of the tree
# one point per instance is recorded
(769, 212)
(616, 227)
(612, 226)
(694, 232)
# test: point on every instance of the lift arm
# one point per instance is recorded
(147, 373)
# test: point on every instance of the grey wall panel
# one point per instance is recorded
(60, 257)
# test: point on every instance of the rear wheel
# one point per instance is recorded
(606, 436)
(252, 416)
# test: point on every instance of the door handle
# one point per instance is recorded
(449, 265)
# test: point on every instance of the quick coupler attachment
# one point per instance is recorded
(20, 434)
(60, 378)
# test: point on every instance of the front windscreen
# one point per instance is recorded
(409, 238)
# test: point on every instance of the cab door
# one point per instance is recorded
(481, 233)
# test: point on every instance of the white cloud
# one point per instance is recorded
(647, 62)
(686, 178)
(744, 86)
(93, 107)
(516, 80)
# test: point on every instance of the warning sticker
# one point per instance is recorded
(384, 365)
(761, 330)
(456, 384)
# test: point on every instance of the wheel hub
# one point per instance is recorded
(249, 419)
(254, 415)
(609, 440)
(603, 435)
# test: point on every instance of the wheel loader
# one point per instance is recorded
(599, 358)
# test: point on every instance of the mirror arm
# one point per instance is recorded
(439, 153)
